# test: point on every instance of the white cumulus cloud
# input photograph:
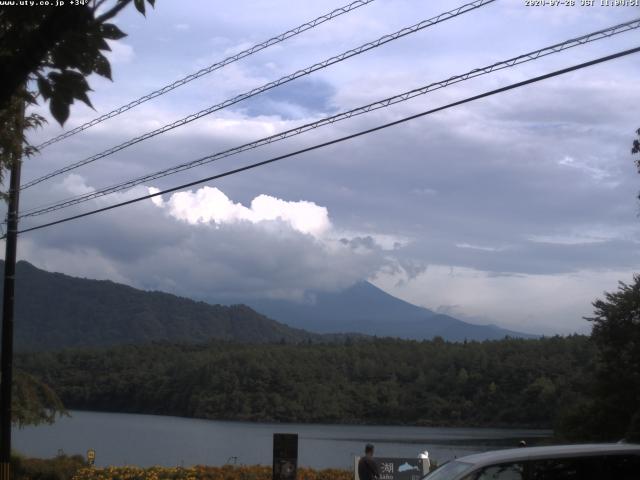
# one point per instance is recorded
(210, 205)
(203, 245)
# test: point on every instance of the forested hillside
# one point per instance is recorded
(55, 311)
(511, 382)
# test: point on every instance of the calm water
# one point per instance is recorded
(146, 440)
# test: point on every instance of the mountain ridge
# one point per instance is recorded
(367, 309)
(55, 311)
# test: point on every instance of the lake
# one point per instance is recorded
(145, 440)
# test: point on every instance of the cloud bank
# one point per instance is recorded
(202, 244)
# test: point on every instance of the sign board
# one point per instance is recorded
(285, 456)
(91, 456)
(397, 468)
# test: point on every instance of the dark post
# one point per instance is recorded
(285, 456)
(6, 360)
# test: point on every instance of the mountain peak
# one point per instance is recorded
(60, 311)
(365, 308)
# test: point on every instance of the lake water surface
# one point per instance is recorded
(145, 440)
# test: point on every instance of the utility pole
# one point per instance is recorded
(6, 359)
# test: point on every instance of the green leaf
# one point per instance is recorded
(44, 87)
(83, 97)
(68, 85)
(101, 66)
(78, 87)
(59, 87)
(139, 4)
(84, 62)
(152, 3)
(59, 109)
(103, 45)
(62, 56)
(111, 32)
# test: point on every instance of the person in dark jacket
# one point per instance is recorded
(367, 466)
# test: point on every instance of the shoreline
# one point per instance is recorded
(548, 430)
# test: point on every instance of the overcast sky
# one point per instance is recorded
(519, 209)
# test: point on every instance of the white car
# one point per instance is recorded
(618, 461)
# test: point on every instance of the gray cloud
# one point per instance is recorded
(302, 99)
(149, 248)
(531, 185)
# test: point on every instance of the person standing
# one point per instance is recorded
(367, 466)
(426, 464)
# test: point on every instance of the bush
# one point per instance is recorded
(62, 467)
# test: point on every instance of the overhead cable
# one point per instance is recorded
(251, 93)
(527, 57)
(338, 140)
(211, 68)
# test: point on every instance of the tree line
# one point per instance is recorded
(511, 382)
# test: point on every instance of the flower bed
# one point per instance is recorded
(227, 472)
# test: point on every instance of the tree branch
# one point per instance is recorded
(109, 14)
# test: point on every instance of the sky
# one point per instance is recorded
(519, 209)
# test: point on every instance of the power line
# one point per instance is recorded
(211, 68)
(341, 139)
(300, 73)
(527, 57)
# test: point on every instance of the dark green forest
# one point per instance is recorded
(56, 311)
(511, 382)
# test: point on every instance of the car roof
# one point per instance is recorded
(556, 451)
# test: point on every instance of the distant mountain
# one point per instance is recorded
(56, 311)
(364, 308)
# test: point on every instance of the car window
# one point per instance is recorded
(505, 471)
(585, 468)
(448, 471)
(621, 467)
(610, 467)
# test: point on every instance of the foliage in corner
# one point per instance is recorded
(608, 407)
(13, 126)
(51, 49)
(616, 333)
(34, 402)
(635, 148)
(58, 48)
